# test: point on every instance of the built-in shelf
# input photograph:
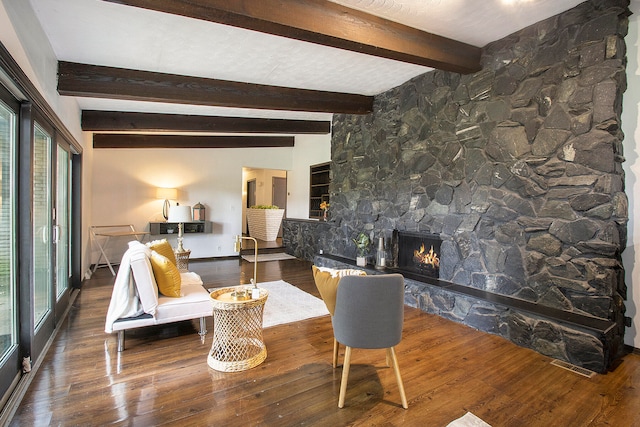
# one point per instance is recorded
(319, 188)
(156, 228)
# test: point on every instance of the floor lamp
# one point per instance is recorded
(238, 248)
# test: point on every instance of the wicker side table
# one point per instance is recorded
(182, 260)
(237, 331)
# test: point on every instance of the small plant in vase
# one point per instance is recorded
(363, 244)
(325, 208)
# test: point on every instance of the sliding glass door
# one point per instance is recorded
(9, 349)
(50, 259)
(62, 235)
(40, 169)
(34, 225)
(42, 237)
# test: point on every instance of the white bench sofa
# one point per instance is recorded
(136, 302)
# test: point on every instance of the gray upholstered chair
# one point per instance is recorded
(369, 314)
(327, 280)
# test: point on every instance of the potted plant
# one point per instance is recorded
(264, 221)
(325, 208)
(362, 246)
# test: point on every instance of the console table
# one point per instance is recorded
(102, 234)
(164, 227)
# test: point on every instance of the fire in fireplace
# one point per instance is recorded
(428, 259)
(419, 253)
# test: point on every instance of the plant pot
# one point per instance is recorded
(264, 224)
(361, 261)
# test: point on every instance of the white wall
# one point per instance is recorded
(125, 180)
(631, 129)
(22, 35)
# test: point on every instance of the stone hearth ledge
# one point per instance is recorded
(530, 325)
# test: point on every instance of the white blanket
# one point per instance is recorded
(124, 299)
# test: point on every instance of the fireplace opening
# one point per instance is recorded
(419, 253)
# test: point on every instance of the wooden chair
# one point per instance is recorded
(369, 314)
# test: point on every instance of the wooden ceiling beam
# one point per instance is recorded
(97, 81)
(120, 140)
(94, 120)
(329, 24)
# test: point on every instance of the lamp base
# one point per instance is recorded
(180, 238)
(182, 260)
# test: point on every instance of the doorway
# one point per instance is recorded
(279, 195)
(251, 201)
(263, 187)
(251, 193)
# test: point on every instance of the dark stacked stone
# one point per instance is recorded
(518, 167)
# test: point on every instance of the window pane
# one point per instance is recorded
(62, 223)
(42, 213)
(8, 309)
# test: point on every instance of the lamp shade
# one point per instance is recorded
(180, 214)
(167, 193)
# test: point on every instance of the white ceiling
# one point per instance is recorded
(103, 33)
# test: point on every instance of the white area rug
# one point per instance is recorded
(268, 257)
(468, 420)
(287, 304)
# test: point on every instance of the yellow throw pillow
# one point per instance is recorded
(166, 274)
(163, 248)
(327, 283)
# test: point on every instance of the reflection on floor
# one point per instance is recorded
(263, 246)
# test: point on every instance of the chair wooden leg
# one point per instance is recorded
(391, 353)
(336, 346)
(345, 376)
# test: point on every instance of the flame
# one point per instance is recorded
(420, 256)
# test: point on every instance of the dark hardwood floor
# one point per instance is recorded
(162, 378)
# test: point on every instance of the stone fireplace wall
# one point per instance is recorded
(517, 167)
